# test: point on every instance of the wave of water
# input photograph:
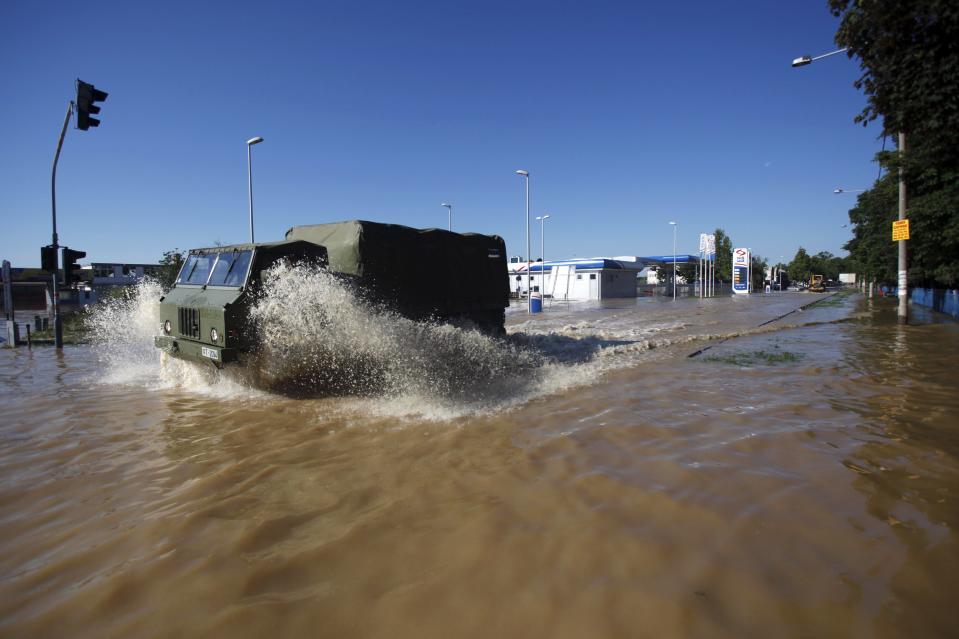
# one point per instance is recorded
(319, 336)
(121, 331)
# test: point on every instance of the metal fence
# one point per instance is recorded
(682, 290)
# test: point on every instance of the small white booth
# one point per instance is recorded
(577, 280)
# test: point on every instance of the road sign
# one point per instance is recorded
(741, 271)
(900, 230)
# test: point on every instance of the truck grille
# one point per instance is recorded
(189, 322)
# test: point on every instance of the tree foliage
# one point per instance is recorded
(800, 267)
(689, 271)
(909, 55)
(934, 234)
(803, 266)
(170, 266)
(724, 256)
(757, 271)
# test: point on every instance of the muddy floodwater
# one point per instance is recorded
(585, 478)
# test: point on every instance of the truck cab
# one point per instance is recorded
(204, 317)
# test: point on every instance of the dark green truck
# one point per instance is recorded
(422, 274)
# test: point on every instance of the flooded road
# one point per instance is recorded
(588, 479)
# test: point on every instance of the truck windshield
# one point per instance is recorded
(230, 269)
(196, 269)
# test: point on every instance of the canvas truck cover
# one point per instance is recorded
(419, 272)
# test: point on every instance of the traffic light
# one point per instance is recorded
(48, 258)
(70, 265)
(87, 94)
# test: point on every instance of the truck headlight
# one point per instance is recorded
(167, 327)
(214, 335)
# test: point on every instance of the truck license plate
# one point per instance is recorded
(209, 352)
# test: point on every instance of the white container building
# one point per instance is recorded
(595, 278)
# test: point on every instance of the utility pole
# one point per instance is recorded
(903, 284)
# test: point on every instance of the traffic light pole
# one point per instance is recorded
(57, 325)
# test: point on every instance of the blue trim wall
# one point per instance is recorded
(944, 301)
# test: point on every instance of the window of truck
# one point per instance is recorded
(230, 269)
(197, 268)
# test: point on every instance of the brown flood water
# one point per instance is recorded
(796, 480)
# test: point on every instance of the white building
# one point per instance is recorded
(577, 280)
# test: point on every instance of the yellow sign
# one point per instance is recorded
(900, 230)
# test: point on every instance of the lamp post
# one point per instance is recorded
(449, 208)
(529, 299)
(802, 61)
(249, 173)
(542, 253)
(674, 224)
(903, 275)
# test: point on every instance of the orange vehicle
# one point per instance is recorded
(816, 285)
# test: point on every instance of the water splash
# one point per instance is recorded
(121, 330)
(319, 335)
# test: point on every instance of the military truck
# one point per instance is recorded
(421, 274)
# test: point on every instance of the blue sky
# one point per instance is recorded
(627, 115)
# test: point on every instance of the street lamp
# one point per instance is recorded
(542, 253)
(529, 298)
(903, 275)
(840, 189)
(804, 60)
(674, 224)
(450, 208)
(249, 173)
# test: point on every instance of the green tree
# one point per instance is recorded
(688, 271)
(170, 265)
(724, 256)
(909, 57)
(934, 243)
(826, 264)
(757, 269)
(871, 245)
(800, 268)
